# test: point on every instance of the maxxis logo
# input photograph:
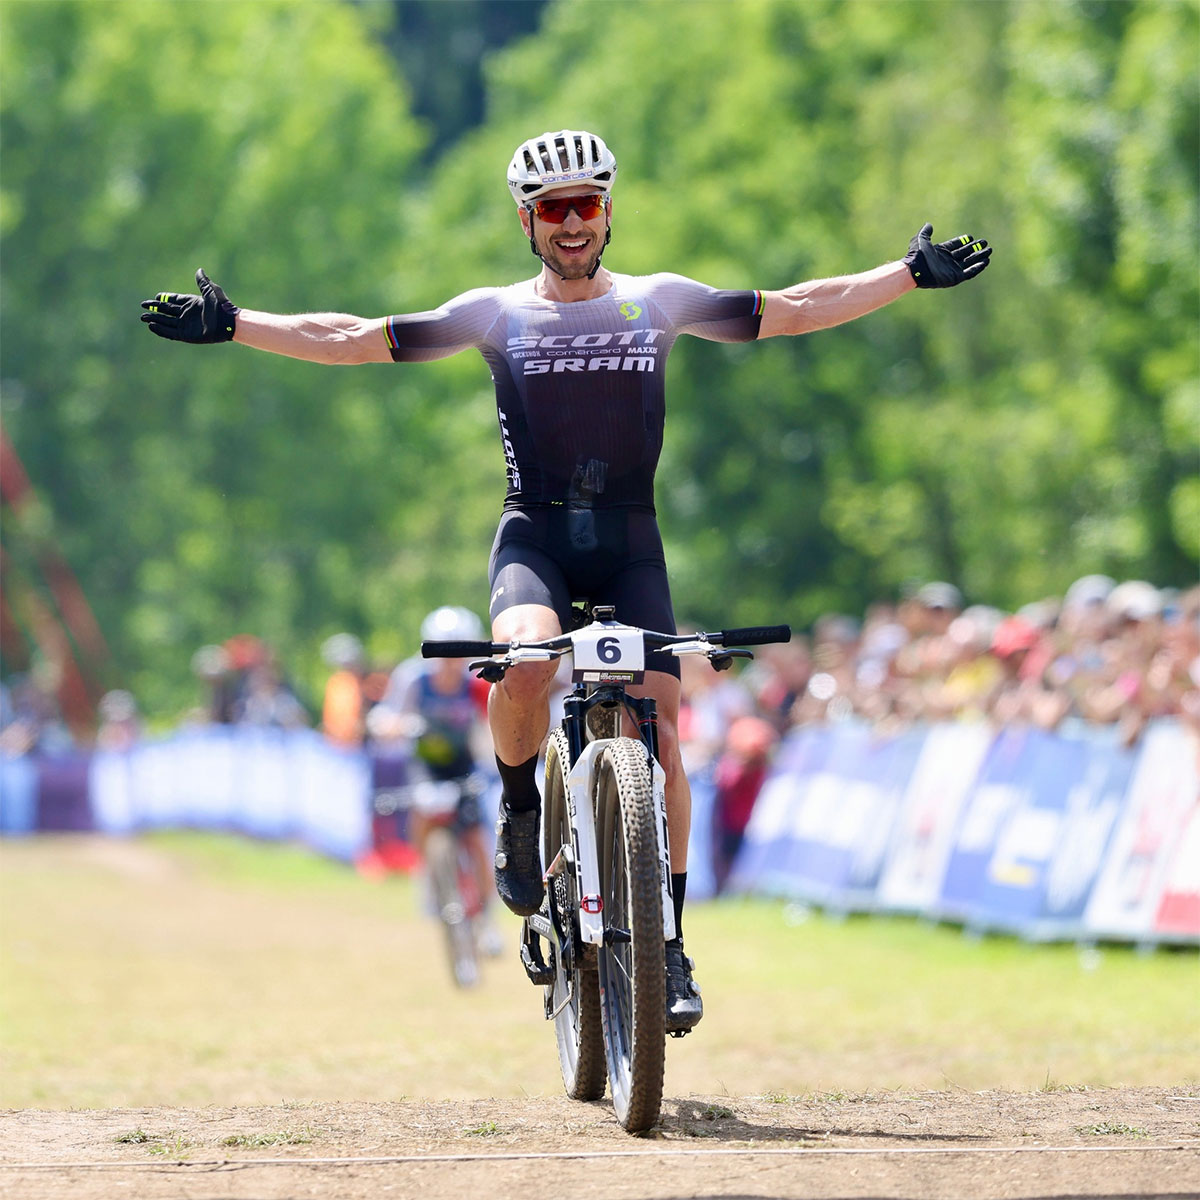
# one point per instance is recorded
(630, 311)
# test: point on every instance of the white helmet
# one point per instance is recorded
(342, 650)
(449, 624)
(554, 159)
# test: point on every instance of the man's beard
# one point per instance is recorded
(572, 268)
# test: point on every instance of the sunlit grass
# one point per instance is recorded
(199, 969)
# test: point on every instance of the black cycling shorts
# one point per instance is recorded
(553, 556)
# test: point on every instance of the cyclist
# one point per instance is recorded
(577, 355)
(438, 704)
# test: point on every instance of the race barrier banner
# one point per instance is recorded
(1040, 835)
(278, 784)
(1020, 831)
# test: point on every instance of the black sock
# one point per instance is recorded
(678, 888)
(520, 785)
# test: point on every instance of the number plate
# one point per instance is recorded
(609, 655)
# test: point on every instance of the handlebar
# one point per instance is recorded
(750, 635)
(462, 649)
(550, 648)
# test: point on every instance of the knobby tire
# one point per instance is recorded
(632, 973)
(441, 862)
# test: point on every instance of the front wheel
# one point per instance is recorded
(575, 994)
(631, 961)
(441, 863)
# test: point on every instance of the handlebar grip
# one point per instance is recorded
(756, 635)
(461, 649)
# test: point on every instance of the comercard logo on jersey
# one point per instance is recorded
(630, 350)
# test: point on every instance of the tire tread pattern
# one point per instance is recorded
(624, 778)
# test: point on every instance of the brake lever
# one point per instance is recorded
(488, 670)
(723, 660)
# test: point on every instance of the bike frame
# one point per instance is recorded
(605, 983)
(585, 752)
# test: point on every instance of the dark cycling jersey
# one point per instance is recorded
(445, 744)
(580, 385)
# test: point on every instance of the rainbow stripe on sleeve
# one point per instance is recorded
(390, 333)
(758, 304)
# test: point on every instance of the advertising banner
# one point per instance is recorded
(1003, 788)
(842, 821)
(1094, 802)
(18, 794)
(920, 851)
(1132, 886)
(111, 786)
(1179, 909)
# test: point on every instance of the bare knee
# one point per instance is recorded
(527, 685)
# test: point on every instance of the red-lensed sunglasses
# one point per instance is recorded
(554, 209)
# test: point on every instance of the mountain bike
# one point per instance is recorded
(608, 910)
(449, 872)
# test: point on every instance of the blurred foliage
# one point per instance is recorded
(441, 48)
(1009, 436)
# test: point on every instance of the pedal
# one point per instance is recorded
(533, 962)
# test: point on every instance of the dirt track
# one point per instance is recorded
(985, 1145)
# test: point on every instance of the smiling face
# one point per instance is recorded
(569, 244)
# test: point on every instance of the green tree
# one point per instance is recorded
(202, 491)
(1010, 435)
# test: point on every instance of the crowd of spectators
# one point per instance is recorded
(1106, 654)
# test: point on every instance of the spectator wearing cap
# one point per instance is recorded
(120, 725)
(976, 675)
(1023, 651)
(260, 693)
(1120, 691)
(344, 707)
(923, 662)
(942, 599)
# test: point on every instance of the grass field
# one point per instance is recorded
(193, 969)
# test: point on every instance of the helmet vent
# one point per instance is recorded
(568, 155)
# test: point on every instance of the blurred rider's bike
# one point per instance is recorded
(608, 910)
(436, 806)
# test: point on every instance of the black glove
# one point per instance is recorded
(208, 317)
(945, 264)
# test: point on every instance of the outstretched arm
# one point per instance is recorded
(314, 337)
(824, 303)
(335, 338)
